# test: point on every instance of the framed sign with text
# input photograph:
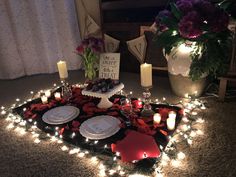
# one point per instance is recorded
(109, 66)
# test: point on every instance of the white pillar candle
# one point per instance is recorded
(62, 68)
(146, 75)
(170, 123)
(172, 114)
(157, 118)
(44, 99)
(48, 93)
(57, 95)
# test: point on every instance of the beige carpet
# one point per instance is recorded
(213, 154)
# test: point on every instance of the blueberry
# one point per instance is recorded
(95, 88)
(104, 89)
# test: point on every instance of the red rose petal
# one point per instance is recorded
(75, 123)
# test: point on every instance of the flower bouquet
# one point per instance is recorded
(203, 25)
(89, 50)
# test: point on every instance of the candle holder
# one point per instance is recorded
(147, 108)
(66, 91)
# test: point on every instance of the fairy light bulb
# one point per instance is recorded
(64, 148)
(53, 138)
(37, 141)
(175, 163)
(117, 153)
(190, 141)
(81, 154)
(96, 142)
(181, 155)
(3, 112)
(122, 173)
(73, 135)
(10, 126)
(200, 120)
(111, 172)
(74, 151)
(192, 134)
(199, 132)
(185, 119)
(94, 159)
(145, 155)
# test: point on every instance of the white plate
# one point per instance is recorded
(100, 127)
(60, 115)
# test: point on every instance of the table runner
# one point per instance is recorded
(34, 110)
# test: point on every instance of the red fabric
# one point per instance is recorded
(134, 145)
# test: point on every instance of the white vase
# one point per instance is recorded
(179, 62)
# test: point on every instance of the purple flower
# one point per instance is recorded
(204, 8)
(189, 26)
(96, 49)
(162, 14)
(100, 42)
(90, 44)
(184, 6)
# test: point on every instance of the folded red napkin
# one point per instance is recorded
(136, 146)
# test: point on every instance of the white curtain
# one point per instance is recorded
(35, 34)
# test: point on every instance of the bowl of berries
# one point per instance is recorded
(104, 89)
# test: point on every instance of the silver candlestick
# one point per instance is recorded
(66, 89)
(147, 108)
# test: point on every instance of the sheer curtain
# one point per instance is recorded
(35, 34)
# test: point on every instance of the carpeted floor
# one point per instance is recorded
(212, 154)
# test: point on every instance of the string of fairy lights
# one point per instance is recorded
(185, 132)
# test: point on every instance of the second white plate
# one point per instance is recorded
(100, 127)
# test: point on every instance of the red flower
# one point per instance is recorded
(80, 49)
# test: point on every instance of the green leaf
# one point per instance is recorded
(175, 10)
(225, 4)
(167, 41)
(170, 23)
